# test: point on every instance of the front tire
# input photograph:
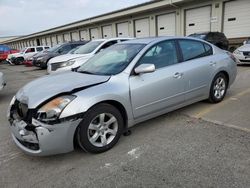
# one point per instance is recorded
(19, 61)
(100, 129)
(218, 88)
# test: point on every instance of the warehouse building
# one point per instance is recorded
(153, 18)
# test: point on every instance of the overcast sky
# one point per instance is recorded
(20, 17)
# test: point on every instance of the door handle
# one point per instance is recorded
(178, 75)
(212, 63)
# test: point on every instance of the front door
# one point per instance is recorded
(164, 88)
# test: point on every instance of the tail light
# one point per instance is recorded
(233, 57)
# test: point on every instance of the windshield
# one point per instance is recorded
(23, 50)
(111, 61)
(53, 49)
(248, 42)
(88, 48)
(73, 50)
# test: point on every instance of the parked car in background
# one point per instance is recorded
(217, 38)
(243, 52)
(125, 84)
(68, 61)
(24, 54)
(5, 51)
(41, 60)
(2, 81)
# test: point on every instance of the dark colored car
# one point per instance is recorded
(41, 59)
(216, 38)
(5, 51)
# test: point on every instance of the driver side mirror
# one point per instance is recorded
(145, 68)
(244, 42)
(60, 51)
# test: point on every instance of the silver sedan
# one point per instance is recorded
(123, 85)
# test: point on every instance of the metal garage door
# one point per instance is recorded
(59, 39)
(84, 35)
(44, 41)
(54, 41)
(107, 31)
(142, 28)
(198, 20)
(236, 19)
(166, 25)
(93, 33)
(48, 41)
(75, 36)
(122, 29)
(67, 37)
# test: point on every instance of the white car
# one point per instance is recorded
(66, 62)
(25, 54)
(2, 81)
(243, 52)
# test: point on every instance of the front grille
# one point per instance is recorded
(22, 111)
(246, 53)
(32, 146)
(55, 66)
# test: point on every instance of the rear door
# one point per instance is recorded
(159, 90)
(198, 67)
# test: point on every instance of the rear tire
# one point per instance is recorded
(218, 88)
(18, 61)
(100, 129)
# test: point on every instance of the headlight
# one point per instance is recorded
(40, 58)
(11, 103)
(52, 110)
(67, 63)
(237, 52)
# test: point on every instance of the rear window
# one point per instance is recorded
(194, 49)
(39, 49)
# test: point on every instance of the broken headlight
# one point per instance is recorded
(53, 109)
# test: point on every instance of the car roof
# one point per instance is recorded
(148, 40)
(35, 46)
(116, 38)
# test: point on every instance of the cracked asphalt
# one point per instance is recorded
(201, 145)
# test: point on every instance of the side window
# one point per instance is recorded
(74, 45)
(208, 49)
(192, 49)
(39, 49)
(64, 49)
(29, 50)
(161, 55)
(108, 44)
(46, 47)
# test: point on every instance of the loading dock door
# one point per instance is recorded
(122, 29)
(93, 33)
(236, 19)
(107, 31)
(166, 25)
(59, 39)
(198, 20)
(142, 28)
(48, 41)
(75, 36)
(54, 41)
(83, 35)
(67, 37)
(43, 41)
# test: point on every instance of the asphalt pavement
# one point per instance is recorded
(202, 145)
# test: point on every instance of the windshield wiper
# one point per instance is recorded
(85, 72)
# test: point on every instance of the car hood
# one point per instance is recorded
(15, 54)
(44, 88)
(245, 47)
(67, 57)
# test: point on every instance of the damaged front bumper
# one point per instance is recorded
(39, 139)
